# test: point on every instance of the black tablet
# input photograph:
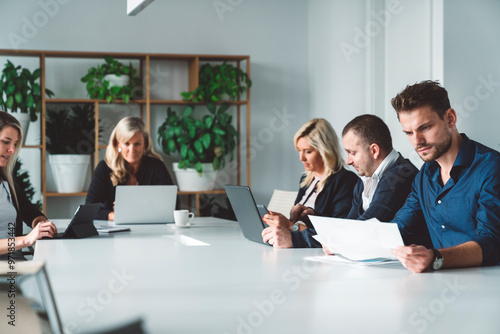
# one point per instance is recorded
(81, 225)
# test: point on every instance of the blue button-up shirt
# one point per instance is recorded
(466, 208)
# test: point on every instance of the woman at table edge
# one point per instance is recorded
(326, 187)
(130, 160)
(14, 205)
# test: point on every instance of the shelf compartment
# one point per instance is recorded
(197, 197)
(65, 194)
(32, 146)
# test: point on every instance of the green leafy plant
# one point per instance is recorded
(100, 88)
(206, 140)
(22, 179)
(217, 81)
(71, 130)
(20, 90)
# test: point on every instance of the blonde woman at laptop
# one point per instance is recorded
(130, 160)
(14, 206)
(326, 187)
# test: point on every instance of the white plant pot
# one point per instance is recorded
(24, 119)
(115, 80)
(70, 171)
(189, 179)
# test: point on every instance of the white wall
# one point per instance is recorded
(472, 67)
(410, 58)
(363, 52)
(273, 33)
(337, 78)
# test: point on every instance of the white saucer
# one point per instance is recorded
(182, 226)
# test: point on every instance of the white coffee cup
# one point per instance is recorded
(183, 217)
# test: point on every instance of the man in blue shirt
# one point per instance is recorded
(456, 194)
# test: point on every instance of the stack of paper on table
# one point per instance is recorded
(356, 240)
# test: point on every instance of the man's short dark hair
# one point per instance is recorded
(370, 129)
(422, 94)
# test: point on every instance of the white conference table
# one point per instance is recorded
(209, 279)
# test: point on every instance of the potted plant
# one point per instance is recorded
(70, 143)
(112, 80)
(20, 93)
(217, 82)
(202, 144)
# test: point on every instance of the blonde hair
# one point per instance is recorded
(320, 135)
(123, 131)
(7, 120)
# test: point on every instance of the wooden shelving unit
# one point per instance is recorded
(193, 64)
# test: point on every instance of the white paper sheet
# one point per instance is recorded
(342, 260)
(358, 240)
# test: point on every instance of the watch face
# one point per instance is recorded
(295, 227)
(438, 261)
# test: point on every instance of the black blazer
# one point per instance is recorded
(335, 198)
(391, 193)
(26, 211)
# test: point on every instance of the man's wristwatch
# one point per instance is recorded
(437, 263)
(295, 227)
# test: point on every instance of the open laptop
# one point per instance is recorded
(247, 212)
(145, 204)
(81, 225)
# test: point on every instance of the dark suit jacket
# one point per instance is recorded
(333, 201)
(335, 198)
(390, 195)
(26, 211)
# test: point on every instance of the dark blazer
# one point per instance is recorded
(26, 211)
(151, 171)
(390, 195)
(333, 201)
(335, 198)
